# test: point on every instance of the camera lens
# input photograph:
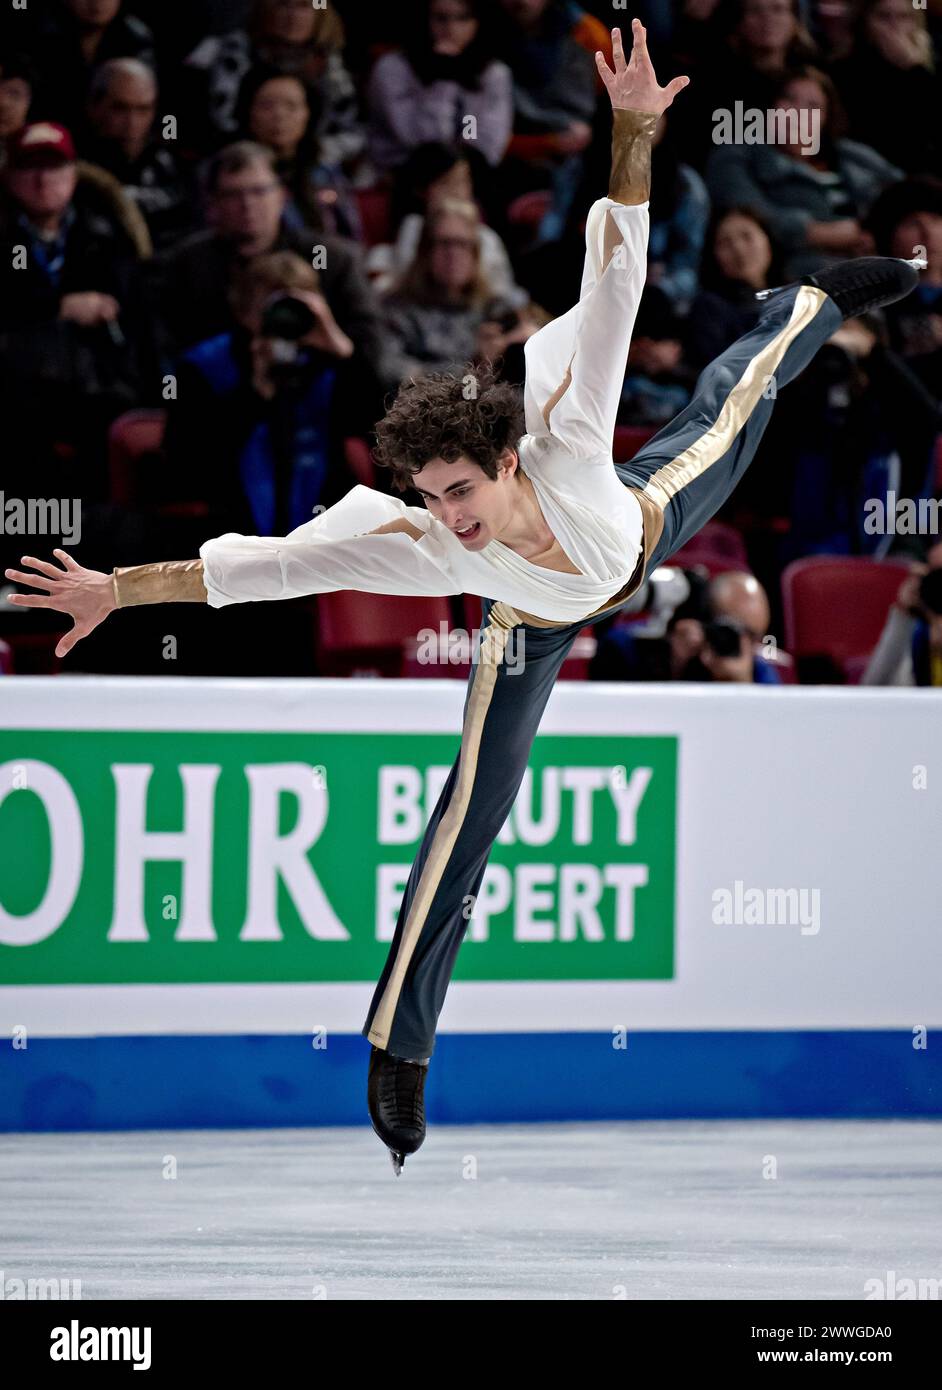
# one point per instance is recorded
(286, 317)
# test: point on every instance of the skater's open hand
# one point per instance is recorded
(86, 595)
(633, 85)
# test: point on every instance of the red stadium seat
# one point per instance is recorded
(374, 205)
(6, 659)
(359, 457)
(718, 548)
(135, 453)
(629, 439)
(370, 634)
(576, 665)
(529, 208)
(135, 437)
(836, 606)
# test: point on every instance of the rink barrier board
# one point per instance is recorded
(63, 1084)
(834, 791)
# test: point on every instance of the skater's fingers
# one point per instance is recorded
(31, 601)
(618, 51)
(639, 46)
(36, 580)
(676, 85)
(79, 631)
(604, 70)
(66, 559)
(44, 565)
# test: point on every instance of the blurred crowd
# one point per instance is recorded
(230, 230)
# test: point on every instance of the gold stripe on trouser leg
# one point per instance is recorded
(737, 407)
(500, 620)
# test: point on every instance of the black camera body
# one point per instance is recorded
(930, 591)
(724, 636)
(287, 318)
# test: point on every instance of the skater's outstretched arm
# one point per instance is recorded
(576, 364)
(238, 569)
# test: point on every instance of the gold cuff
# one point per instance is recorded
(167, 581)
(632, 137)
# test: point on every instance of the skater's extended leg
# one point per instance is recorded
(690, 467)
(507, 692)
(688, 470)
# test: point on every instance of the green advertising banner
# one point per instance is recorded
(179, 857)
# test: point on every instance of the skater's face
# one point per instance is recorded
(462, 497)
(742, 250)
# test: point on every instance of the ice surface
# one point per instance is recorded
(673, 1209)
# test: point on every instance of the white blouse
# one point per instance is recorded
(593, 515)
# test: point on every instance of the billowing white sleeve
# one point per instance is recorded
(578, 360)
(327, 553)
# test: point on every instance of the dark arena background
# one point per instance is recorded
(691, 1049)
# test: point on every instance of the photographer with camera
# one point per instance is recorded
(708, 631)
(909, 651)
(255, 425)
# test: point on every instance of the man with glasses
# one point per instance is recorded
(244, 203)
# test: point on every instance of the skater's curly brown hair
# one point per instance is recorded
(448, 416)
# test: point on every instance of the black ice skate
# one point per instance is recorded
(396, 1095)
(869, 282)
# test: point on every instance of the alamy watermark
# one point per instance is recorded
(768, 907)
(454, 646)
(798, 127)
(42, 516)
(902, 516)
(13, 1289)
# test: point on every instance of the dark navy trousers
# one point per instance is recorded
(681, 478)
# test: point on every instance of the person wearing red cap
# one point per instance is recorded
(41, 178)
(71, 337)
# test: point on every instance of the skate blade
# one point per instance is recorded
(397, 1159)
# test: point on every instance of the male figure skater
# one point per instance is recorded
(524, 507)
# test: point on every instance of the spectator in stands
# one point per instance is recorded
(245, 203)
(739, 260)
(546, 43)
(292, 36)
(890, 85)
(73, 335)
(735, 639)
(445, 84)
(279, 111)
(435, 309)
(814, 203)
(657, 383)
(253, 430)
(17, 84)
(909, 651)
(75, 37)
(905, 221)
(433, 172)
(679, 213)
(717, 633)
(740, 52)
(122, 110)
